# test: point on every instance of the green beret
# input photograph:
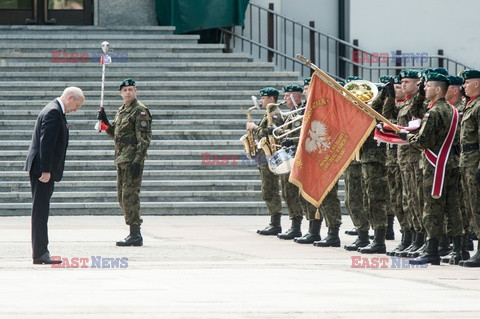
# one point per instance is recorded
(470, 74)
(292, 88)
(454, 80)
(306, 81)
(342, 83)
(438, 70)
(385, 79)
(269, 91)
(433, 76)
(397, 79)
(127, 82)
(353, 78)
(409, 74)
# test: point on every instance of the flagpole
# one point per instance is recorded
(356, 101)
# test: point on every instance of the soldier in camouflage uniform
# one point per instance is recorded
(132, 133)
(470, 155)
(436, 125)
(269, 180)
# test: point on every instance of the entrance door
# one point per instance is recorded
(61, 12)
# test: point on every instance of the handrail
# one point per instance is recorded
(286, 37)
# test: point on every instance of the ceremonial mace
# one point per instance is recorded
(105, 59)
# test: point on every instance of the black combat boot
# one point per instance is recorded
(273, 228)
(474, 261)
(429, 256)
(469, 243)
(444, 246)
(332, 239)
(390, 235)
(313, 233)
(456, 254)
(465, 245)
(362, 241)
(404, 253)
(404, 243)
(352, 232)
(418, 246)
(294, 231)
(378, 244)
(134, 239)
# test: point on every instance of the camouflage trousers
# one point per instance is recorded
(330, 209)
(448, 205)
(471, 193)
(291, 195)
(354, 196)
(270, 190)
(412, 193)
(374, 177)
(128, 190)
(395, 206)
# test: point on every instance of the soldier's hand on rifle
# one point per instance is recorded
(102, 116)
(135, 170)
(287, 142)
(271, 128)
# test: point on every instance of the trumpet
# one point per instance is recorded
(297, 118)
(294, 111)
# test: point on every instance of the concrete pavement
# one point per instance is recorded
(215, 267)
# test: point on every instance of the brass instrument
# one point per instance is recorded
(248, 139)
(366, 91)
(296, 118)
(268, 144)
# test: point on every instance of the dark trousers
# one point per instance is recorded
(41, 194)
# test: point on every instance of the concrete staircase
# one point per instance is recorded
(197, 95)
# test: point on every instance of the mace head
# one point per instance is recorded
(105, 46)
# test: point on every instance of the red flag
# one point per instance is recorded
(333, 131)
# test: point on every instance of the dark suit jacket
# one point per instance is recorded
(49, 142)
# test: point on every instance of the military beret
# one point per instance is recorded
(292, 88)
(269, 91)
(353, 78)
(127, 82)
(409, 74)
(433, 76)
(454, 80)
(306, 81)
(385, 79)
(438, 70)
(397, 79)
(470, 74)
(342, 83)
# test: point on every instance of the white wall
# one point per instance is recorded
(419, 26)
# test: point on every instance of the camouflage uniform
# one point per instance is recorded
(270, 192)
(434, 129)
(132, 133)
(409, 159)
(469, 160)
(354, 196)
(394, 178)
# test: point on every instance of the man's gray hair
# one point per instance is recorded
(75, 91)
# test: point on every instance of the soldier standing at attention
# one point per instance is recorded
(269, 180)
(132, 133)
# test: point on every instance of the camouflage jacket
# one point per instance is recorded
(434, 129)
(470, 133)
(132, 133)
(371, 152)
(406, 110)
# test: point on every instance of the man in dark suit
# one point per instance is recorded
(45, 163)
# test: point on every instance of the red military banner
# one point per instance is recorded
(333, 131)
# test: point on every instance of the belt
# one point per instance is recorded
(126, 140)
(469, 147)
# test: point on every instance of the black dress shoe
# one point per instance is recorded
(45, 259)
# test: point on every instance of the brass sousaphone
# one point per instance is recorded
(364, 90)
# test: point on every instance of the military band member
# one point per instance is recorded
(270, 190)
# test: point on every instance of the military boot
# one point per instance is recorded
(429, 256)
(390, 235)
(444, 246)
(469, 243)
(404, 243)
(273, 228)
(352, 232)
(332, 239)
(417, 247)
(362, 241)
(134, 239)
(313, 233)
(378, 244)
(404, 253)
(474, 261)
(294, 231)
(465, 246)
(456, 254)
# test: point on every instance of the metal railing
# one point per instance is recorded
(270, 36)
